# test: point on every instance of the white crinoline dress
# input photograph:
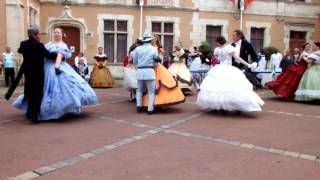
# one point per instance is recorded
(226, 87)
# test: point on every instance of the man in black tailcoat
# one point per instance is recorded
(33, 52)
(244, 49)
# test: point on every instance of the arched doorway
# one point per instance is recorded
(72, 39)
(75, 31)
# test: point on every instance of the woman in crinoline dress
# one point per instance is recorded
(65, 91)
(180, 71)
(309, 86)
(167, 89)
(287, 83)
(101, 75)
(130, 72)
(226, 87)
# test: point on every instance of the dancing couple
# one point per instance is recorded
(162, 88)
(226, 87)
(52, 87)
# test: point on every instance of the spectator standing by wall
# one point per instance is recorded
(9, 64)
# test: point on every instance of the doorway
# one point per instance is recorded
(72, 39)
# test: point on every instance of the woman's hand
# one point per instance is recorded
(253, 66)
(58, 71)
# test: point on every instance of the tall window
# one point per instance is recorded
(32, 16)
(115, 40)
(212, 32)
(257, 38)
(165, 31)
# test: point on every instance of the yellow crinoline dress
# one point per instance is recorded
(181, 72)
(167, 89)
(101, 76)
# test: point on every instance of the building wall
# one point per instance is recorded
(192, 16)
(15, 23)
(3, 29)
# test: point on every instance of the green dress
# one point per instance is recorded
(309, 87)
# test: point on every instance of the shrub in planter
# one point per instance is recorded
(206, 49)
(269, 51)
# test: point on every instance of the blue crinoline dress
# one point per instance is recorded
(64, 93)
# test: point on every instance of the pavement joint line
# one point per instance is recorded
(95, 152)
(44, 170)
(116, 94)
(268, 150)
(184, 120)
(278, 112)
(121, 121)
(292, 114)
(105, 103)
(27, 175)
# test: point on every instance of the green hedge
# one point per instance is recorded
(206, 49)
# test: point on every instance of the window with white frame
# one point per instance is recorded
(212, 32)
(257, 38)
(115, 40)
(32, 16)
(166, 33)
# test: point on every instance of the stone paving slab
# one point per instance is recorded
(127, 111)
(292, 133)
(27, 147)
(279, 104)
(112, 141)
(187, 158)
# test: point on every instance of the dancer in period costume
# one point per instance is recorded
(226, 87)
(180, 71)
(309, 86)
(65, 91)
(33, 52)
(166, 88)
(287, 61)
(144, 58)
(244, 49)
(287, 83)
(161, 52)
(101, 75)
(130, 72)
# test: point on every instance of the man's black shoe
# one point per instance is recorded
(150, 112)
(35, 121)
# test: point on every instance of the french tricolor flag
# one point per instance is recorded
(242, 3)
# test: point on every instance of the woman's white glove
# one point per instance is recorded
(253, 66)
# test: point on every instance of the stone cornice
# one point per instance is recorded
(281, 8)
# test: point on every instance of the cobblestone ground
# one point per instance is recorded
(182, 142)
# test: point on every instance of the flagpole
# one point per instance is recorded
(241, 13)
(141, 14)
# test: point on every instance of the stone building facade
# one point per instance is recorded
(114, 24)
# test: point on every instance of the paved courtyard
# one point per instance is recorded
(182, 142)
